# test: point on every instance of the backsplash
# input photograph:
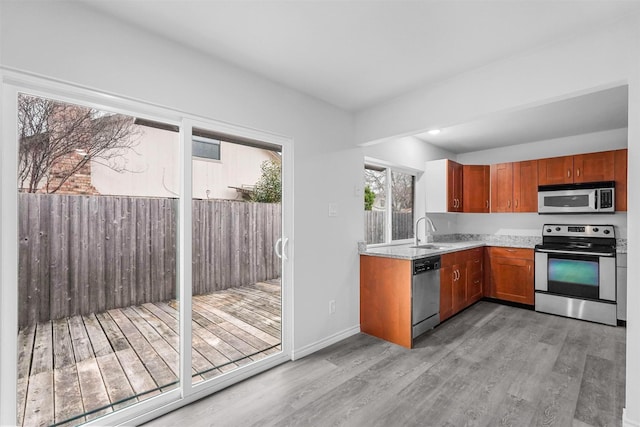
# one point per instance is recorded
(492, 239)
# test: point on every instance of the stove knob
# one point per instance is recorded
(596, 229)
(606, 231)
(548, 230)
(557, 228)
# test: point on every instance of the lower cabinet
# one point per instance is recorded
(460, 281)
(509, 274)
(385, 299)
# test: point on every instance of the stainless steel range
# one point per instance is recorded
(575, 270)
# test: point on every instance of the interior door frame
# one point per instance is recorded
(11, 83)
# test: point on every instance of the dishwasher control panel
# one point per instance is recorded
(426, 264)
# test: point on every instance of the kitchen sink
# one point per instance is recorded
(431, 246)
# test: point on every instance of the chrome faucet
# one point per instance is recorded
(428, 228)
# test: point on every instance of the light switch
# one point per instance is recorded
(333, 209)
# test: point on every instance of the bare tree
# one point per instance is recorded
(58, 139)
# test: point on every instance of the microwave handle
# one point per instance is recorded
(595, 202)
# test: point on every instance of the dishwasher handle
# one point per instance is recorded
(424, 265)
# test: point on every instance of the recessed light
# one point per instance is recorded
(434, 131)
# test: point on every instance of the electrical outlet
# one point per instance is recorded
(332, 306)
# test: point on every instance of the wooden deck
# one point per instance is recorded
(75, 369)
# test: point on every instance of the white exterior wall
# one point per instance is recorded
(152, 169)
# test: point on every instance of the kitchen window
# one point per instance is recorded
(389, 195)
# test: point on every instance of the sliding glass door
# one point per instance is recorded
(236, 235)
(150, 264)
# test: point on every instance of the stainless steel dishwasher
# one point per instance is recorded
(425, 295)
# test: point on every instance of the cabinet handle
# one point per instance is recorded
(529, 268)
(568, 173)
(508, 203)
(487, 202)
(516, 203)
(476, 281)
(578, 172)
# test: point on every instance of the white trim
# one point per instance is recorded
(398, 168)
(185, 256)
(627, 422)
(319, 345)
(8, 257)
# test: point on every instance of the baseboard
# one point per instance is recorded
(319, 345)
(626, 422)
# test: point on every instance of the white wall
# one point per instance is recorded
(70, 42)
(151, 169)
(607, 57)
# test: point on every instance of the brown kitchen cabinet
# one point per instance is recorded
(620, 173)
(589, 167)
(501, 187)
(385, 299)
(454, 186)
(525, 186)
(475, 188)
(474, 275)
(509, 274)
(460, 281)
(514, 187)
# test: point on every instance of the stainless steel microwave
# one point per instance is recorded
(591, 197)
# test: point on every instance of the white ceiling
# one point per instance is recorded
(594, 112)
(357, 53)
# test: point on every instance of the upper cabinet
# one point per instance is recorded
(475, 188)
(443, 198)
(590, 167)
(452, 187)
(514, 187)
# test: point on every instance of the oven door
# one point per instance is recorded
(576, 275)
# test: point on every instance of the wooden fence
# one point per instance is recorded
(88, 254)
(402, 226)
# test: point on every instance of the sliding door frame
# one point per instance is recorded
(13, 82)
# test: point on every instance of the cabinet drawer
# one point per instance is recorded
(506, 252)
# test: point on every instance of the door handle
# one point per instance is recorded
(282, 244)
(285, 241)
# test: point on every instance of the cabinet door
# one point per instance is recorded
(446, 292)
(593, 167)
(525, 186)
(459, 287)
(454, 186)
(501, 187)
(474, 275)
(620, 166)
(475, 188)
(513, 279)
(555, 170)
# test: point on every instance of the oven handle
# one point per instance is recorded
(556, 251)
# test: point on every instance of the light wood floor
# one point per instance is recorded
(491, 365)
(75, 369)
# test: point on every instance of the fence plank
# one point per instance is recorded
(86, 254)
